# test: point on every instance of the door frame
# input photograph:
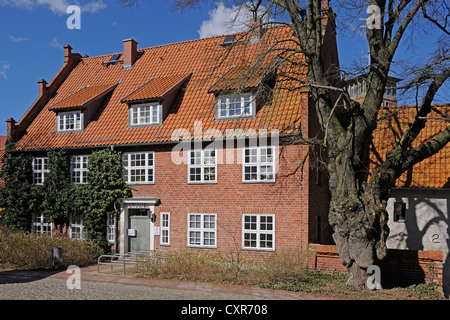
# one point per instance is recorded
(148, 203)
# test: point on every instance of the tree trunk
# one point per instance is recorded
(357, 214)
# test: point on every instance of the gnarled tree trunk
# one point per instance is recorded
(357, 213)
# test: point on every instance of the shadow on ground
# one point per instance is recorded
(24, 276)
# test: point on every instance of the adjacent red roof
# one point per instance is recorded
(165, 65)
(82, 97)
(433, 172)
(155, 88)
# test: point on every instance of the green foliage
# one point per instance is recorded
(58, 198)
(106, 186)
(57, 190)
(20, 195)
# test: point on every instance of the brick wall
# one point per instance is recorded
(399, 268)
(230, 198)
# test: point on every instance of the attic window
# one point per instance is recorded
(235, 106)
(69, 121)
(228, 40)
(145, 114)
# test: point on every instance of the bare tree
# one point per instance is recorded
(358, 199)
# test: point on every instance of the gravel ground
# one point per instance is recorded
(56, 289)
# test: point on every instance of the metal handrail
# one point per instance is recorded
(116, 259)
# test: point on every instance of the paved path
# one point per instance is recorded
(52, 285)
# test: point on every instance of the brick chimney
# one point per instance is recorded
(11, 128)
(256, 30)
(67, 53)
(42, 87)
(129, 53)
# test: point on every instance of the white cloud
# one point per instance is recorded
(56, 6)
(3, 68)
(56, 44)
(17, 39)
(223, 20)
(93, 6)
(21, 4)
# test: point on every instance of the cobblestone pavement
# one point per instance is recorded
(52, 285)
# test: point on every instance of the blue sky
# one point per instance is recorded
(33, 32)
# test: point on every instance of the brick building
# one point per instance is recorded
(203, 132)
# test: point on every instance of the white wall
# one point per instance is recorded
(426, 226)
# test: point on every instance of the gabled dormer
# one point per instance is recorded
(238, 91)
(149, 104)
(75, 112)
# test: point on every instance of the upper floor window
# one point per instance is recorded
(139, 167)
(259, 164)
(145, 114)
(40, 170)
(202, 166)
(69, 121)
(235, 106)
(79, 169)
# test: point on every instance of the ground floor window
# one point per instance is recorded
(202, 230)
(40, 225)
(165, 229)
(258, 232)
(77, 229)
(111, 227)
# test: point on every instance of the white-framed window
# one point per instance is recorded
(145, 114)
(202, 230)
(40, 225)
(79, 169)
(139, 167)
(164, 239)
(202, 166)
(259, 164)
(69, 121)
(111, 227)
(40, 170)
(235, 106)
(77, 230)
(258, 232)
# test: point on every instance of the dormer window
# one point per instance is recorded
(145, 114)
(235, 106)
(69, 121)
(74, 112)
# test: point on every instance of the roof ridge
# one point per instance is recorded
(178, 43)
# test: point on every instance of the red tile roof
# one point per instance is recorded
(81, 98)
(203, 57)
(433, 172)
(155, 88)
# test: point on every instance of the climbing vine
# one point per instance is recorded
(20, 195)
(58, 199)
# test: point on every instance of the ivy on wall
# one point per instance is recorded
(58, 199)
(20, 195)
